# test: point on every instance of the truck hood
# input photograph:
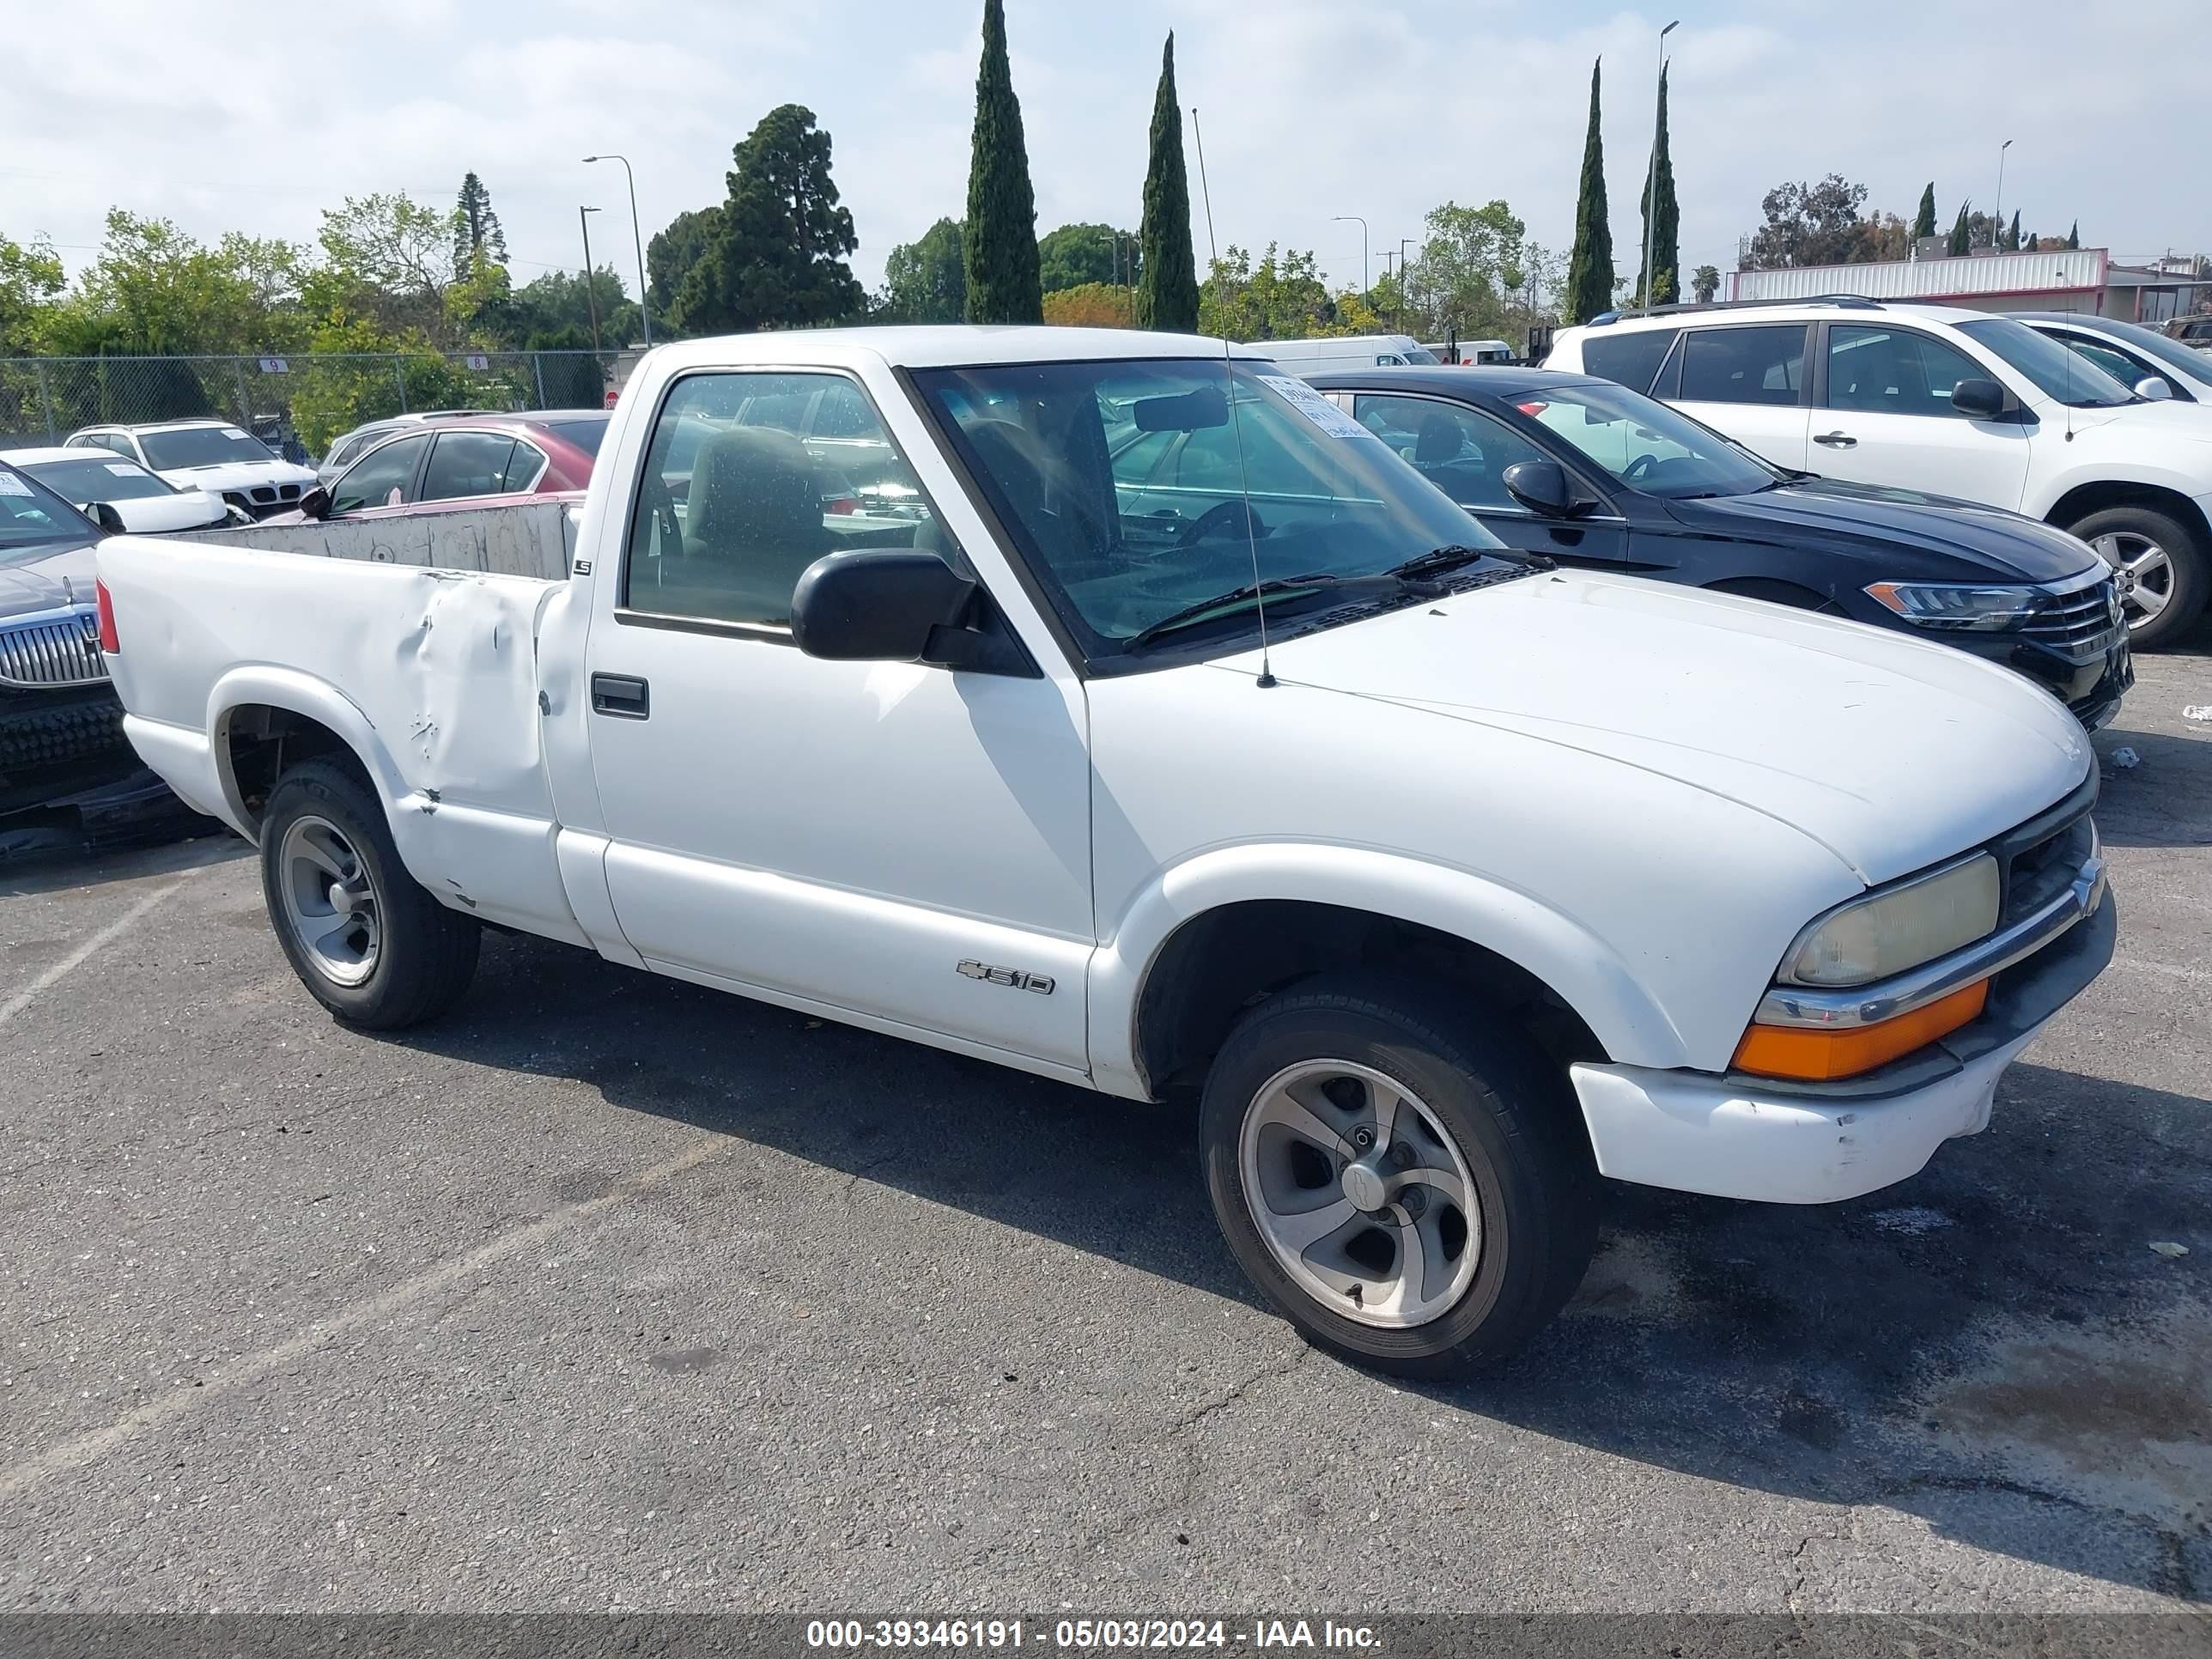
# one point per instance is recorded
(1984, 542)
(59, 579)
(1890, 752)
(237, 474)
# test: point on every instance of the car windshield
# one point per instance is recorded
(201, 446)
(2155, 345)
(34, 521)
(584, 434)
(1138, 489)
(97, 479)
(2058, 373)
(1643, 444)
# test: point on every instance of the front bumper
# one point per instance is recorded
(1744, 1137)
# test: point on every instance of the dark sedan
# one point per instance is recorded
(1591, 473)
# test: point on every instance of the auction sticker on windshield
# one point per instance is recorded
(12, 485)
(1315, 407)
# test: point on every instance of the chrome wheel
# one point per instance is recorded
(330, 903)
(1359, 1194)
(2143, 570)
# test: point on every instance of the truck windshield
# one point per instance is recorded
(1138, 489)
(34, 521)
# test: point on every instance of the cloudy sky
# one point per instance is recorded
(238, 114)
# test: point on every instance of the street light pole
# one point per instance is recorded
(1348, 218)
(1651, 179)
(1997, 225)
(591, 295)
(644, 312)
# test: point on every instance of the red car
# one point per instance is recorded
(486, 459)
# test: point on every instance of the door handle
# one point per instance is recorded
(1837, 440)
(623, 695)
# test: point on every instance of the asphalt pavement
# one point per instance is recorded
(611, 1292)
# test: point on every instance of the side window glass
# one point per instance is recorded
(1630, 359)
(1744, 366)
(379, 478)
(739, 498)
(522, 467)
(1463, 451)
(466, 464)
(1887, 371)
(2119, 366)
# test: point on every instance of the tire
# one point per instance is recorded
(1483, 1101)
(408, 958)
(2167, 557)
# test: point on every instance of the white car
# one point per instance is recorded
(215, 456)
(143, 504)
(1435, 880)
(2154, 364)
(1946, 401)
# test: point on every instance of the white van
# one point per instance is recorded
(1327, 356)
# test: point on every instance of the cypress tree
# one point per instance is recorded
(2074, 236)
(999, 238)
(1663, 226)
(1962, 232)
(1590, 267)
(1923, 223)
(2012, 236)
(1167, 289)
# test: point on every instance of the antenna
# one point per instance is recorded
(1236, 421)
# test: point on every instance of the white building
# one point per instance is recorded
(2085, 279)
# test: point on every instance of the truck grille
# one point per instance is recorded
(2038, 860)
(2081, 624)
(55, 647)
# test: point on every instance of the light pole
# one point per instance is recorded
(1352, 218)
(1404, 266)
(1651, 180)
(1997, 225)
(591, 295)
(644, 314)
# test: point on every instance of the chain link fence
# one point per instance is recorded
(297, 403)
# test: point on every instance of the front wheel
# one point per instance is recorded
(2164, 573)
(1411, 1190)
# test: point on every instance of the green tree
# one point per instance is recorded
(1923, 223)
(557, 303)
(1075, 255)
(155, 290)
(2074, 235)
(925, 281)
(1962, 232)
(673, 250)
(477, 235)
(1280, 298)
(1662, 214)
(388, 259)
(1088, 304)
(777, 256)
(1469, 274)
(2011, 235)
(32, 280)
(1589, 265)
(1818, 224)
(1167, 285)
(998, 236)
(1705, 283)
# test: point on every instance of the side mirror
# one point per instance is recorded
(315, 504)
(2156, 387)
(1542, 487)
(107, 515)
(1983, 400)
(880, 604)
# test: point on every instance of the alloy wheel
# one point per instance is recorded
(330, 901)
(2143, 571)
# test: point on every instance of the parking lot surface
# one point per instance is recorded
(611, 1292)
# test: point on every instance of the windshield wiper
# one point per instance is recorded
(1203, 608)
(1451, 556)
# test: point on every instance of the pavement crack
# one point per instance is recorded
(1237, 1391)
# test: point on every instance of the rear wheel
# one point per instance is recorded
(365, 937)
(2160, 566)
(1410, 1191)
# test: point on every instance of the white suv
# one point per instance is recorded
(1946, 402)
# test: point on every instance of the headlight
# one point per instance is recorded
(1887, 933)
(1958, 604)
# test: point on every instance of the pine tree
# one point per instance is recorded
(1962, 232)
(476, 229)
(1923, 223)
(1167, 287)
(1664, 229)
(776, 255)
(1589, 266)
(2074, 236)
(999, 235)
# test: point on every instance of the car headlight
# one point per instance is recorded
(1958, 604)
(1900, 927)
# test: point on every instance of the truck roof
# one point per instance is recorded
(947, 346)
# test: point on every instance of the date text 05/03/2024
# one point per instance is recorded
(1089, 1635)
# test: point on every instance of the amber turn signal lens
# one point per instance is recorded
(1819, 1056)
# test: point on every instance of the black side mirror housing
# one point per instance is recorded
(107, 515)
(1543, 488)
(316, 504)
(1980, 399)
(897, 604)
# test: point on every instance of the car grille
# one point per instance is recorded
(2040, 860)
(2080, 625)
(56, 647)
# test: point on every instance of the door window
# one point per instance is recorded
(1630, 359)
(1461, 451)
(523, 468)
(2118, 364)
(1744, 366)
(380, 478)
(736, 503)
(1892, 371)
(467, 463)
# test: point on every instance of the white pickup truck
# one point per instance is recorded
(1444, 880)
